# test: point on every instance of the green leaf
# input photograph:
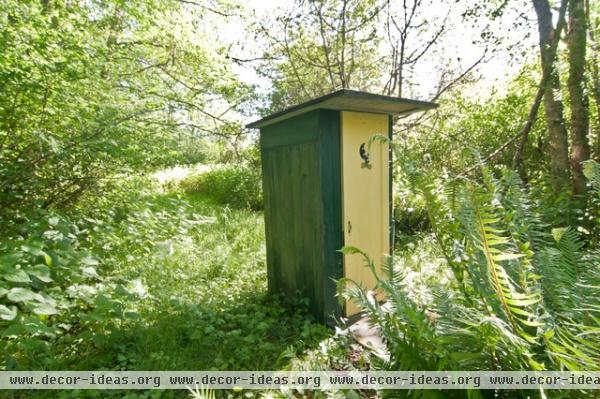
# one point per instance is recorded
(13, 330)
(33, 250)
(45, 309)
(89, 272)
(549, 334)
(10, 259)
(17, 276)
(8, 313)
(588, 170)
(522, 302)
(19, 294)
(37, 326)
(349, 250)
(557, 233)
(89, 261)
(41, 272)
(532, 323)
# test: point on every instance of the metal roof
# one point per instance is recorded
(349, 100)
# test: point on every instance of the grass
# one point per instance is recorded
(197, 283)
(196, 293)
(203, 300)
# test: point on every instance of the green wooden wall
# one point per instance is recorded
(303, 214)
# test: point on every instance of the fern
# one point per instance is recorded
(414, 340)
(574, 347)
(491, 240)
(591, 170)
(439, 212)
(558, 265)
(527, 298)
(523, 220)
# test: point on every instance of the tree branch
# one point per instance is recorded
(517, 162)
(205, 7)
(524, 132)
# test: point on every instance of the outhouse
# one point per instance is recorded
(326, 185)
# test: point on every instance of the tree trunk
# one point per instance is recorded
(517, 163)
(595, 89)
(553, 107)
(594, 75)
(576, 44)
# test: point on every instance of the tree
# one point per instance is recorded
(576, 43)
(375, 45)
(95, 89)
(553, 107)
(319, 47)
(594, 71)
(414, 37)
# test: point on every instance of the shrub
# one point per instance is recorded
(410, 216)
(50, 287)
(409, 221)
(236, 186)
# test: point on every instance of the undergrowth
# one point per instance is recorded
(512, 292)
(236, 186)
(158, 279)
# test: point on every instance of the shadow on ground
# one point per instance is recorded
(250, 332)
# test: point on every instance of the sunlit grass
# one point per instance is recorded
(197, 289)
(200, 270)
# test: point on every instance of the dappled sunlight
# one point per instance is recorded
(197, 277)
(177, 173)
(230, 185)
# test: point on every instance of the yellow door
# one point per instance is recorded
(365, 185)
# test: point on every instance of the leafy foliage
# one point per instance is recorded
(524, 295)
(410, 215)
(465, 128)
(103, 268)
(95, 89)
(51, 288)
(237, 186)
(184, 274)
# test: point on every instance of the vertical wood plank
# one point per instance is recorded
(365, 195)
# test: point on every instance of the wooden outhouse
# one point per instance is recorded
(326, 187)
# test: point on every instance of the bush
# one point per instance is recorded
(409, 222)
(236, 186)
(49, 288)
(410, 216)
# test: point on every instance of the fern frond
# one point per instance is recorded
(574, 347)
(524, 221)
(409, 331)
(570, 278)
(493, 244)
(591, 171)
(439, 206)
